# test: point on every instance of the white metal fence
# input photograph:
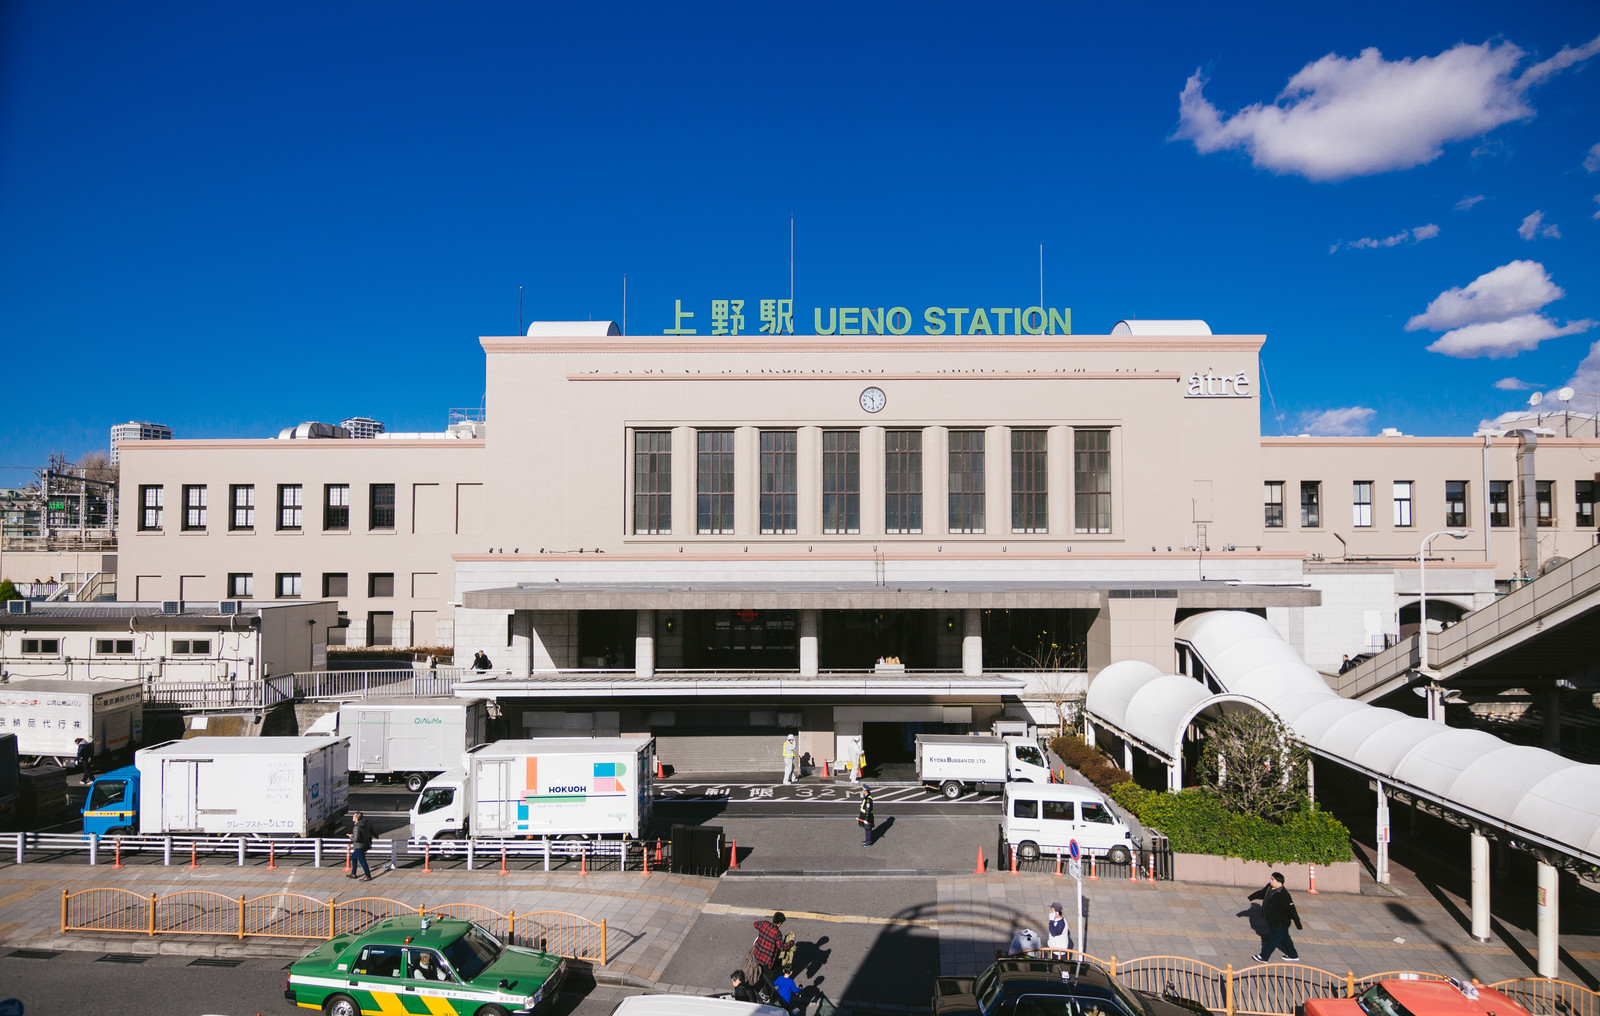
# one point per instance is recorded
(200, 695)
(340, 684)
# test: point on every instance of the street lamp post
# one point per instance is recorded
(1435, 691)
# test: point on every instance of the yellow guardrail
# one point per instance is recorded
(1281, 989)
(294, 915)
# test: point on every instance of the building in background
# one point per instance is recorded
(136, 430)
(362, 427)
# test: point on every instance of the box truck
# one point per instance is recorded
(956, 763)
(546, 787)
(49, 716)
(405, 739)
(224, 786)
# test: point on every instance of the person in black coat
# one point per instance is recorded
(1277, 906)
(864, 816)
(360, 843)
(742, 991)
(85, 758)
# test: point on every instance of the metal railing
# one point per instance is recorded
(295, 915)
(199, 695)
(343, 684)
(1281, 989)
(1149, 863)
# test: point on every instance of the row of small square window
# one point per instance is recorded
(1457, 503)
(289, 511)
(287, 585)
(115, 647)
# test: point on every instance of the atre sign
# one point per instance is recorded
(1207, 385)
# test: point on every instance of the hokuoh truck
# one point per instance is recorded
(958, 762)
(224, 786)
(49, 716)
(546, 787)
(410, 739)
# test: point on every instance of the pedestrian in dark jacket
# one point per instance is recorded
(85, 758)
(864, 816)
(360, 843)
(1277, 906)
(742, 990)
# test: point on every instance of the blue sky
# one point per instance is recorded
(230, 218)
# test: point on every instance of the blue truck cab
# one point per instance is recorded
(112, 807)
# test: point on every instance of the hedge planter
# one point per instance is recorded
(1340, 877)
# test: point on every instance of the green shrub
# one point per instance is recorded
(1195, 821)
(8, 591)
(1095, 767)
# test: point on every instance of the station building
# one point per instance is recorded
(717, 539)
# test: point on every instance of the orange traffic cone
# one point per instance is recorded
(119, 853)
(1313, 890)
(658, 850)
(1013, 860)
(503, 857)
(272, 855)
(427, 859)
(1152, 877)
(979, 869)
(583, 860)
(1092, 876)
(1058, 864)
(733, 854)
(347, 868)
(660, 773)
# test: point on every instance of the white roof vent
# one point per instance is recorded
(568, 329)
(1392, 432)
(1139, 326)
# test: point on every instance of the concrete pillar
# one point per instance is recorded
(1311, 780)
(644, 643)
(1127, 756)
(1175, 776)
(971, 642)
(1480, 886)
(1381, 875)
(1549, 921)
(808, 643)
(1088, 730)
(1552, 718)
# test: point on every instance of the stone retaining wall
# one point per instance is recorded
(1343, 877)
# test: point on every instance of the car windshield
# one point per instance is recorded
(1029, 754)
(435, 798)
(106, 793)
(986, 990)
(472, 952)
(1376, 1001)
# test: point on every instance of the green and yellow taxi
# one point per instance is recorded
(427, 966)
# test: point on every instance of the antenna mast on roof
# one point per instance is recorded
(791, 273)
(1041, 289)
(624, 303)
(519, 310)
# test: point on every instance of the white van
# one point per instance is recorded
(1044, 818)
(691, 1005)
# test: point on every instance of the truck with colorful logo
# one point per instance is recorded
(547, 787)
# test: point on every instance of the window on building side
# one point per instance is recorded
(242, 498)
(967, 485)
(290, 505)
(1402, 503)
(778, 481)
(902, 481)
(380, 509)
(113, 647)
(1091, 481)
(1546, 497)
(652, 482)
(191, 647)
(1500, 504)
(1030, 482)
(241, 584)
(288, 585)
(336, 634)
(1310, 504)
(380, 584)
(151, 501)
(1584, 494)
(841, 481)
(713, 481)
(1455, 503)
(380, 628)
(194, 507)
(336, 506)
(335, 584)
(1273, 498)
(41, 647)
(1361, 502)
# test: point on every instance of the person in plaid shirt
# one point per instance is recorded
(769, 941)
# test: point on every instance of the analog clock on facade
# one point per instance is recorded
(873, 399)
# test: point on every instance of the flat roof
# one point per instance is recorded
(205, 614)
(241, 746)
(91, 686)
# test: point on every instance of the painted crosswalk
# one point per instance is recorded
(736, 793)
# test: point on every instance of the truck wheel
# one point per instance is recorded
(1119, 855)
(340, 1005)
(951, 789)
(414, 782)
(1027, 850)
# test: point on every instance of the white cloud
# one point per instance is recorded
(1511, 384)
(1499, 339)
(1416, 235)
(1510, 290)
(1533, 226)
(1340, 117)
(1591, 162)
(1350, 421)
(1465, 204)
(1596, 215)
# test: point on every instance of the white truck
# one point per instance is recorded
(409, 739)
(48, 716)
(956, 763)
(548, 787)
(225, 786)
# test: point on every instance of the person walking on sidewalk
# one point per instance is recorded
(788, 759)
(1277, 906)
(86, 758)
(768, 944)
(360, 843)
(864, 815)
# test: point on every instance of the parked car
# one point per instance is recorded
(1020, 986)
(1432, 997)
(444, 964)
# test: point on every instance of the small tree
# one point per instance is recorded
(1060, 679)
(8, 591)
(1254, 764)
